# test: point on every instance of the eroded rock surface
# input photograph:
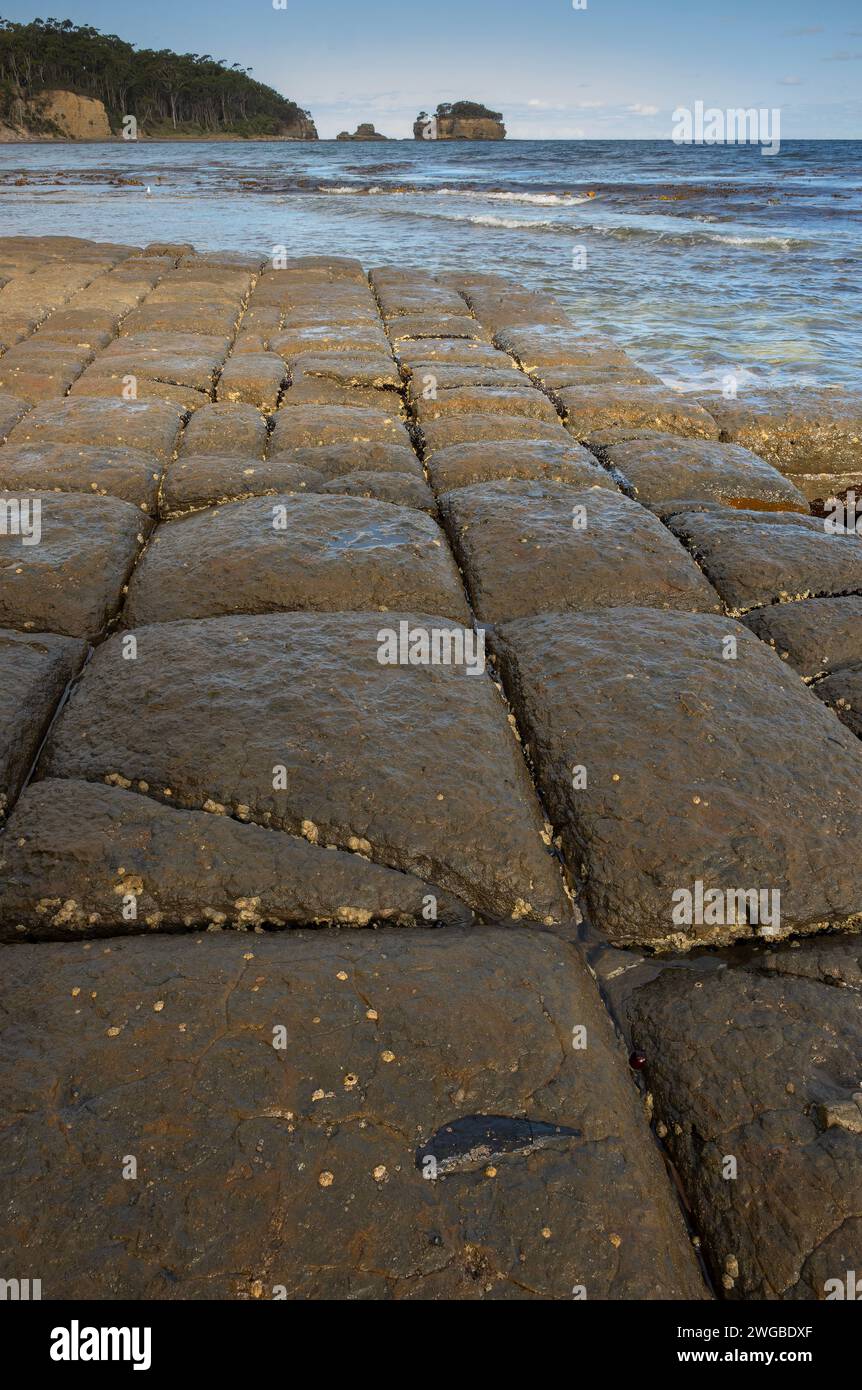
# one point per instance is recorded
(285, 552)
(538, 547)
(34, 672)
(662, 754)
(814, 636)
(70, 580)
(270, 1171)
(84, 859)
(292, 721)
(756, 558)
(667, 475)
(286, 723)
(754, 1070)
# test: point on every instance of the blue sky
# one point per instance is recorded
(616, 69)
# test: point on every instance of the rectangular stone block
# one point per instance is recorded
(87, 860)
(543, 348)
(477, 429)
(670, 475)
(308, 1171)
(200, 480)
(322, 393)
(192, 316)
(797, 430)
(34, 672)
(343, 369)
(522, 400)
(660, 742)
(842, 692)
(507, 307)
(33, 371)
(589, 408)
(363, 337)
(70, 578)
(129, 474)
(815, 636)
(178, 359)
(426, 326)
(303, 427)
(536, 547)
(595, 373)
(293, 721)
(462, 465)
(756, 558)
(152, 426)
(254, 378)
(287, 553)
(11, 411)
(227, 429)
(754, 1073)
(109, 386)
(414, 354)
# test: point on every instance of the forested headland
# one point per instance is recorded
(169, 94)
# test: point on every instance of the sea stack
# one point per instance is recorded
(365, 131)
(460, 120)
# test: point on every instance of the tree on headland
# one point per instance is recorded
(163, 90)
(468, 111)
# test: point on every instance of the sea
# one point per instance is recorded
(703, 260)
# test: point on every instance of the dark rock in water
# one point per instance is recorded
(365, 131)
(469, 1142)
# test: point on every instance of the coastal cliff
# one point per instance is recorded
(460, 120)
(56, 115)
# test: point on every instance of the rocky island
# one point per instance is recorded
(460, 120)
(365, 131)
(62, 81)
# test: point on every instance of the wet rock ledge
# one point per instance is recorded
(411, 707)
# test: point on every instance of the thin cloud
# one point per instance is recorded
(843, 57)
(804, 31)
(790, 81)
(639, 109)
